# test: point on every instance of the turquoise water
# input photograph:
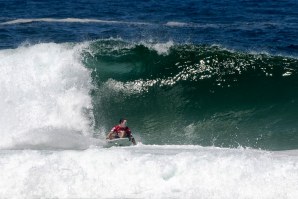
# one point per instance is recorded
(195, 94)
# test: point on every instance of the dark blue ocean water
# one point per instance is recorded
(260, 26)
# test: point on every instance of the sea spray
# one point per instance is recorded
(44, 90)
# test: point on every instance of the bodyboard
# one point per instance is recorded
(118, 142)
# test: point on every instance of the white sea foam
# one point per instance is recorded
(149, 172)
(70, 20)
(177, 24)
(192, 25)
(130, 87)
(160, 48)
(44, 89)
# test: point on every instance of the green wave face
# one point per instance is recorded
(195, 94)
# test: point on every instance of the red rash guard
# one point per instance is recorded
(118, 128)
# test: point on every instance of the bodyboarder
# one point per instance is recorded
(121, 131)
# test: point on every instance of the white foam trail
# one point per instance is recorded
(70, 20)
(149, 172)
(43, 87)
(177, 24)
(192, 25)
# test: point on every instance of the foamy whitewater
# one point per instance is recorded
(46, 107)
(45, 98)
(149, 172)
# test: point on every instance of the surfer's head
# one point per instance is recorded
(123, 122)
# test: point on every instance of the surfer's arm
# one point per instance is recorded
(132, 139)
(109, 135)
(129, 135)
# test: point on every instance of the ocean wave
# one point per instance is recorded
(70, 20)
(210, 94)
